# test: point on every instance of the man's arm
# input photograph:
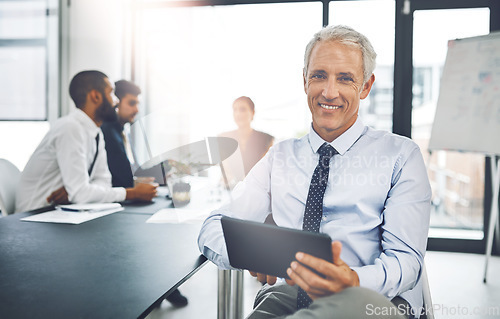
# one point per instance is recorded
(405, 229)
(251, 200)
(72, 149)
(142, 192)
(102, 176)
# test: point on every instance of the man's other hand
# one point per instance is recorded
(58, 197)
(142, 191)
(338, 275)
(263, 278)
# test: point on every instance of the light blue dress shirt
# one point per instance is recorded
(377, 204)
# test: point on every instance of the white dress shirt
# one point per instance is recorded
(377, 204)
(64, 157)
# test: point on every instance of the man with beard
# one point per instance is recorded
(70, 164)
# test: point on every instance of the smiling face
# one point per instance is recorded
(334, 87)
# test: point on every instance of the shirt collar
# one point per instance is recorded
(341, 143)
(86, 121)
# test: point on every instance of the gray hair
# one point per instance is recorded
(345, 35)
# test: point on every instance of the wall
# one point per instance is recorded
(92, 36)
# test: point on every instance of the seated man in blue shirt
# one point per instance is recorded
(118, 161)
(367, 189)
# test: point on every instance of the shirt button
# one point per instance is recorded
(324, 218)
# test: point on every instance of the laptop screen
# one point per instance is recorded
(157, 171)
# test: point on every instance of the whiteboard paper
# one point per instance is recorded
(468, 109)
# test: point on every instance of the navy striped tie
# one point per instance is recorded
(314, 204)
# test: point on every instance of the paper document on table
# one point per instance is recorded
(178, 216)
(71, 217)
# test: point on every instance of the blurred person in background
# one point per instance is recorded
(253, 144)
(70, 164)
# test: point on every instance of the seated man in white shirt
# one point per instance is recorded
(367, 189)
(70, 163)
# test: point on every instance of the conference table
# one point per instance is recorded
(115, 266)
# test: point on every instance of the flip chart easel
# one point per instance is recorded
(493, 224)
(468, 110)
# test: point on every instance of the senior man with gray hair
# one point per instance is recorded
(367, 189)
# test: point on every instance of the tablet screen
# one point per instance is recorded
(270, 249)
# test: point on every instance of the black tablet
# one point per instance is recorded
(270, 249)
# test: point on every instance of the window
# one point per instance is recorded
(23, 60)
(457, 179)
(193, 62)
(375, 19)
(28, 59)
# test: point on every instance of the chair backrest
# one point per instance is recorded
(9, 178)
(426, 292)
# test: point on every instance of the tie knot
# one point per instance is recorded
(326, 150)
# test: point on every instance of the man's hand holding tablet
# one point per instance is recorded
(310, 260)
(335, 276)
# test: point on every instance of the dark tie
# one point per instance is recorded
(314, 204)
(96, 152)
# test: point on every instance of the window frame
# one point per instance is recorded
(51, 45)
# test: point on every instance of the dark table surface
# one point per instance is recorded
(116, 266)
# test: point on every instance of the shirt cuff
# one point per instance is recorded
(120, 194)
(217, 259)
(367, 277)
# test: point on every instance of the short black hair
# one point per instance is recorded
(124, 87)
(84, 82)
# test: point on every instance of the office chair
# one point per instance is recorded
(9, 178)
(426, 292)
